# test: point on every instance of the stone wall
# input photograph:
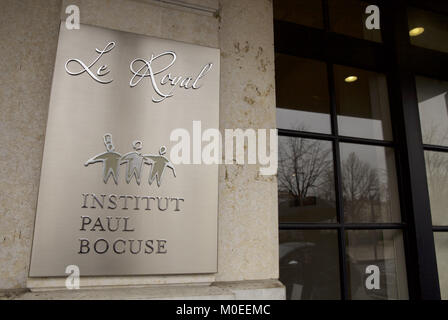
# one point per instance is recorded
(242, 29)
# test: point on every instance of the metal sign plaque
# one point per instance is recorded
(111, 201)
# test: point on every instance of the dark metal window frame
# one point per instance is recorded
(400, 61)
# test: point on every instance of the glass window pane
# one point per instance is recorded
(382, 249)
(369, 184)
(309, 264)
(348, 17)
(433, 108)
(303, 101)
(362, 103)
(437, 176)
(428, 29)
(441, 241)
(306, 181)
(305, 12)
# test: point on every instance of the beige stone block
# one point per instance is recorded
(150, 18)
(243, 290)
(48, 284)
(29, 31)
(248, 234)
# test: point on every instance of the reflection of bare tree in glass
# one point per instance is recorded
(437, 175)
(361, 188)
(305, 167)
(437, 172)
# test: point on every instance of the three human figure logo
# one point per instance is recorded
(134, 161)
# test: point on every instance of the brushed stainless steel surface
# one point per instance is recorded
(96, 111)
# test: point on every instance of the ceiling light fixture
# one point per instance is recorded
(416, 31)
(351, 79)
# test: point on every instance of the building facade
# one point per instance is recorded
(358, 93)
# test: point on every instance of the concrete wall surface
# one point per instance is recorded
(242, 29)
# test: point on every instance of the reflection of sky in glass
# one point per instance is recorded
(303, 120)
(434, 120)
(361, 127)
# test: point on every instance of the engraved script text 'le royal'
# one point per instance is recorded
(141, 68)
